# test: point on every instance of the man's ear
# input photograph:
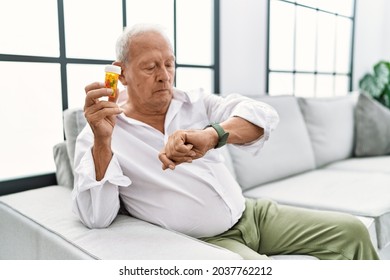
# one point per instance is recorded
(121, 76)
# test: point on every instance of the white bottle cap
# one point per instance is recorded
(113, 69)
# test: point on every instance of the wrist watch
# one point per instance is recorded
(222, 134)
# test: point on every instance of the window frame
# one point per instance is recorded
(41, 180)
(294, 71)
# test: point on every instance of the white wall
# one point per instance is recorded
(244, 47)
(387, 30)
(372, 36)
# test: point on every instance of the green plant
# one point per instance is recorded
(377, 84)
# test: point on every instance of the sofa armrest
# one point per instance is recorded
(64, 172)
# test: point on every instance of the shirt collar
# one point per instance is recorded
(180, 95)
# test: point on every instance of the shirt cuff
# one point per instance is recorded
(86, 176)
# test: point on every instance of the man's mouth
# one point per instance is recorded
(161, 90)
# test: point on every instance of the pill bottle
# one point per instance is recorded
(111, 79)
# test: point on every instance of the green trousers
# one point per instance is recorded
(267, 229)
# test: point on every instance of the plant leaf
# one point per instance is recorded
(369, 84)
(382, 74)
(386, 94)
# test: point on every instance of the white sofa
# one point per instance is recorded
(308, 162)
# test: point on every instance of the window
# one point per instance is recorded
(30, 115)
(30, 111)
(310, 47)
(51, 56)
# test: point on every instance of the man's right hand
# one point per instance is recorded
(100, 114)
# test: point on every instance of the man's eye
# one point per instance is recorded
(170, 64)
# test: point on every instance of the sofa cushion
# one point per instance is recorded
(372, 127)
(126, 238)
(365, 164)
(228, 160)
(287, 152)
(359, 193)
(330, 122)
(23, 239)
(74, 122)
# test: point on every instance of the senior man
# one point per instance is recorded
(158, 153)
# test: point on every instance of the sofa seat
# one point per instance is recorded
(47, 229)
(39, 224)
(336, 190)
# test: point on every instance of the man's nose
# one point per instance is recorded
(163, 74)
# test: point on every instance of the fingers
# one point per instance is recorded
(95, 85)
(166, 162)
(171, 164)
(176, 151)
(93, 96)
(100, 114)
(177, 148)
(101, 110)
(97, 90)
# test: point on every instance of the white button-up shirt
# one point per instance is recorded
(199, 199)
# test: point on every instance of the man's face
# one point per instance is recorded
(150, 72)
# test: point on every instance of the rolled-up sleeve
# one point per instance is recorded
(257, 112)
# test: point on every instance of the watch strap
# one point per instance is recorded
(222, 134)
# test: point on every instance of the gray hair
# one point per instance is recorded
(129, 33)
